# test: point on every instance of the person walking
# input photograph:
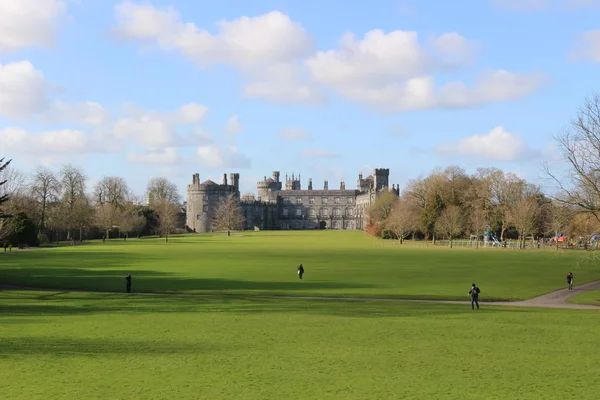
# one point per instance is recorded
(570, 280)
(300, 271)
(128, 279)
(474, 293)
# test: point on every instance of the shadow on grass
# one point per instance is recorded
(22, 307)
(35, 346)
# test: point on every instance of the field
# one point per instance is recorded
(60, 344)
(337, 264)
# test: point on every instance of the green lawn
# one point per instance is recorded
(337, 264)
(590, 297)
(113, 346)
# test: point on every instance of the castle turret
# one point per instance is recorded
(381, 178)
(342, 185)
(275, 176)
(310, 184)
(235, 180)
(224, 179)
(326, 185)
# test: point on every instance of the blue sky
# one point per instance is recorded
(170, 88)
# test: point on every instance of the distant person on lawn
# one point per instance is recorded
(474, 293)
(570, 280)
(300, 271)
(128, 279)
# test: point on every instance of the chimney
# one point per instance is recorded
(309, 183)
(326, 185)
(342, 185)
(196, 179)
(360, 175)
(224, 179)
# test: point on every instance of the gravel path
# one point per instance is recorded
(556, 299)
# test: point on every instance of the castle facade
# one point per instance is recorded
(281, 208)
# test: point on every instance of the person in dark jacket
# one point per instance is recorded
(570, 280)
(128, 279)
(474, 293)
(300, 271)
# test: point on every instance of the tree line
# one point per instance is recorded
(449, 203)
(51, 206)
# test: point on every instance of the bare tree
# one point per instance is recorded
(382, 207)
(112, 190)
(107, 217)
(558, 217)
(580, 148)
(404, 218)
(160, 189)
(4, 197)
(76, 204)
(228, 215)
(506, 190)
(479, 220)
(524, 215)
(45, 188)
(167, 217)
(450, 222)
(12, 182)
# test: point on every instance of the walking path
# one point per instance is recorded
(556, 299)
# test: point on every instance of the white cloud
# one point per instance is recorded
(233, 127)
(26, 23)
(147, 131)
(51, 143)
(397, 131)
(161, 157)
(318, 153)
(587, 47)
(455, 50)
(284, 84)
(497, 145)
(294, 134)
(23, 90)
(192, 113)
(214, 157)
(244, 42)
(393, 72)
(88, 113)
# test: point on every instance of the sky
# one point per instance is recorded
(169, 88)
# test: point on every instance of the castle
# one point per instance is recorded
(279, 208)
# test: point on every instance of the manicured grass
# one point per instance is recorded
(336, 263)
(589, 297)
(113, 346)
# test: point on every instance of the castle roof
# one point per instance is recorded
(369, 178)
(208, 182)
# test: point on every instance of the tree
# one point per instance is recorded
(379, 212)
(160, 189)
(45, 189)
(106, 217)
(76, 204)
(12, 182)
(112, 190)
(4, 196)
(479, 221)
(404, 218)
(558, 217)
(580, 148)
(450, 222)
(523, 215)
(228, 215)
(167, 217)
(506, 191)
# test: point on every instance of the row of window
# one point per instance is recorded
(309, 225)
(324, 200)
(323, 212)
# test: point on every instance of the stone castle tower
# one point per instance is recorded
(204, 197)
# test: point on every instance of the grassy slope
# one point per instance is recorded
(337, 264)
(590, 297)
(100, 346)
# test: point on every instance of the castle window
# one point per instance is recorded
(311, 200)
(311, 212)
(337, 200)
(298, 212)
(349, 212)
(350, 200)
(285, 212)
(337, 212)
(205, 208)
(199, 216)
(324, 200)
(298, 200)
(324, 212)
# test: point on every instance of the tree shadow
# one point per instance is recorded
(27, 346)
